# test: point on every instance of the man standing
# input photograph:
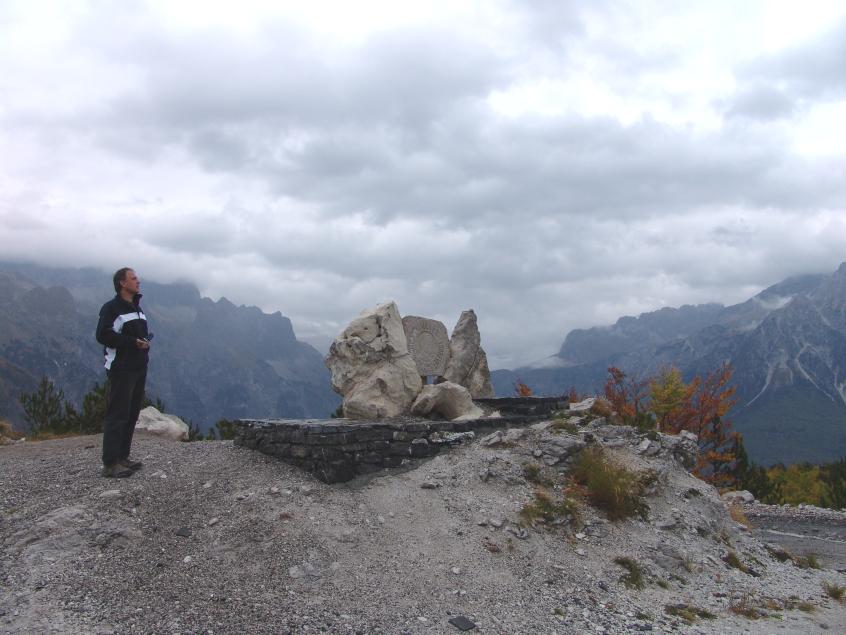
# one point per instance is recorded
(122, 330)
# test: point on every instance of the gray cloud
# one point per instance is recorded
(317, 178)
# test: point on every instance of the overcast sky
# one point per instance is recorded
(550, 164)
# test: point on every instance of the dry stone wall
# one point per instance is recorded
(337, 450)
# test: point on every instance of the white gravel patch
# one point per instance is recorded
(208, 538)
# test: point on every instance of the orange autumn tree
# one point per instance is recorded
(713, 398)
(699, 407)
(627, 396)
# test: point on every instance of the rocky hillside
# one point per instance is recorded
(210, 360)
(787, 346)
(209, 538)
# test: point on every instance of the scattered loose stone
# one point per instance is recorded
(429, 485)
(213, 521)
(184, 532)
(111, 493)
(462, 623)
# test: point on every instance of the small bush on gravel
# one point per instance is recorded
(808, 561)
(732, 560)
(744, 606)
(534, 474)
(548, 510)
(779, 553)
(834, 591)
(614, 489)
(688, 612)
(7, 433)
(737, 514)
(562, 424)
(634, 578)
(601, 408)
(794, 603)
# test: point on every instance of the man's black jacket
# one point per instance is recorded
(121, 323)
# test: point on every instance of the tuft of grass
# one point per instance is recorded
(744, 607)
(834, 591)
(643, 616)
(8, 433)
(534, 474)
(633, 579)
(688, 564)
(688, 612)
(779, 553)
(793, 603)
(663, 584)
(732, 560)
(737, 514)
(544, 508)
(613, 489)
(562, 424)
(601, 408)
(808, 561)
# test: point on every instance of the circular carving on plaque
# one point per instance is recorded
(428, 344)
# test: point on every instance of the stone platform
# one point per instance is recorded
(338, 450)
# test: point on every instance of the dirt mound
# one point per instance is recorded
(208, 538)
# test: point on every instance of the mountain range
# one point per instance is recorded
(209, 360)
(787, 346)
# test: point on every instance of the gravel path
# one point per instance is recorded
(267, 549)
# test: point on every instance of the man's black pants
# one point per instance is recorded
(126, 395)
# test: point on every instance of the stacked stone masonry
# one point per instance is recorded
(337, 450)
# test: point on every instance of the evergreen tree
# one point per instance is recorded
(45, 409)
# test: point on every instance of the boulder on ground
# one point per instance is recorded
(583, 406)
(739, 496)
(161, 424)
(448, 400)
(468, 363)
(371, 367)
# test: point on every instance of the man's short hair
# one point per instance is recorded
(120, 276)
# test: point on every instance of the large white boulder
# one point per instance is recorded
(468, 363)
(448, 400)
(371, 367)
(161, 424)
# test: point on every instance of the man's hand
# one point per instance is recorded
(142, 344)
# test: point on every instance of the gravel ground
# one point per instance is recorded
(268, 549)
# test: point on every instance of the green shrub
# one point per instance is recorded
(808, 561)
(688, 612)
(633, 579)
(834, 591)
(744, 607)
(545, 508)
(562, 424)
(613, 489)
(732, 560)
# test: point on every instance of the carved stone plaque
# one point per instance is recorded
(428, 344)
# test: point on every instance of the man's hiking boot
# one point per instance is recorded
(132, 465)
(116, 471)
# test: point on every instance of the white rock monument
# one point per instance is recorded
(371, 367)
(378, 360)
(468, 363)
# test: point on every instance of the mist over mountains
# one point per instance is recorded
(214, 360)
(209, 360)
(787, 346)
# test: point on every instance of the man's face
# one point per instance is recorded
(131, 283)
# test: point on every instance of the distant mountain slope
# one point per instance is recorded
(787, 346)
(210, 360)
